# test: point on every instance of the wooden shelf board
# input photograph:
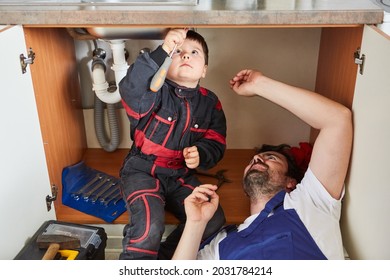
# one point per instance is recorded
(232, 197)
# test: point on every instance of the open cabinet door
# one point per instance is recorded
(24, 175)
(366, 209)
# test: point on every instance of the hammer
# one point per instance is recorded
(55, 242)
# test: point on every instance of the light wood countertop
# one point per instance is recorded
(73, 13)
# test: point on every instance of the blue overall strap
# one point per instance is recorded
(228, 229)
(271, 206)
(276, 201)
(280, 236)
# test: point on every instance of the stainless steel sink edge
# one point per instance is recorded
(134, 33)
(101, 3)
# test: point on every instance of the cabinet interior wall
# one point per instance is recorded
(286, 54)
(62, 114)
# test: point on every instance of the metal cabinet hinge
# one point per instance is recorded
(359, 60)
(25, 61)
(53, 197)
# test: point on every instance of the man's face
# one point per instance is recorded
(265, 174)
(188, 64)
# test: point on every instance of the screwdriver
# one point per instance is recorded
(159, 77)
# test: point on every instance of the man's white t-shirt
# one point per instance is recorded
(319, 212)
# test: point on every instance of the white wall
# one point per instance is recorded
(289, 55)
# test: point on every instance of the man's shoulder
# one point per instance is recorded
(309, 191)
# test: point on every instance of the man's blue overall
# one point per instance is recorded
(281, 236)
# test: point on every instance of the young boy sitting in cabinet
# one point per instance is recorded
(175, 129)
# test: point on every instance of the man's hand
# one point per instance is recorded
(191, 157)
(245, 82)
(201, 205)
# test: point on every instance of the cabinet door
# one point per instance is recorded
(24, 175)
(365, 219)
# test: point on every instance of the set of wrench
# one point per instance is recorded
(101, 189)
(92, 191)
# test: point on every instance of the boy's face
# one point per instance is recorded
(188, 64)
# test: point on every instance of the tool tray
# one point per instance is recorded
(92, 191)
(92, 241)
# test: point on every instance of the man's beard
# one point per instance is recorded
(262, 183)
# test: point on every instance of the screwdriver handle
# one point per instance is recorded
(159, 77)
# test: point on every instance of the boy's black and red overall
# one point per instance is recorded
(154, 175)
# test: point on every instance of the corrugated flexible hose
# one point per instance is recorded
(108, 143)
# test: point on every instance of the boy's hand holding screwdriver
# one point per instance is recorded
(174, 38)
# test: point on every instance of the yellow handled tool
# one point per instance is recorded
(159, 77)
(69, 254)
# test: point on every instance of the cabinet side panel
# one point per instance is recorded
(336, 73)
(55, 80)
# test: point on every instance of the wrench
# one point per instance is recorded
(113, 189)
(106, 186)
(76, 195)
(115, 198)
(95, 188)
(218, 175)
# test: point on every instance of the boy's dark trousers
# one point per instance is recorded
(149, 191)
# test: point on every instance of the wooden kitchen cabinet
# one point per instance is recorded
(58, 100)
(24, 172)
(57, 94)
(55, 79)
(364, 220)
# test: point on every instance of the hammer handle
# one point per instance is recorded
(51, 251)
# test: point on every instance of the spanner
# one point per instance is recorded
(108, 195)
(106, 186)
(76, 195)
(218, 175)
(95, 188)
